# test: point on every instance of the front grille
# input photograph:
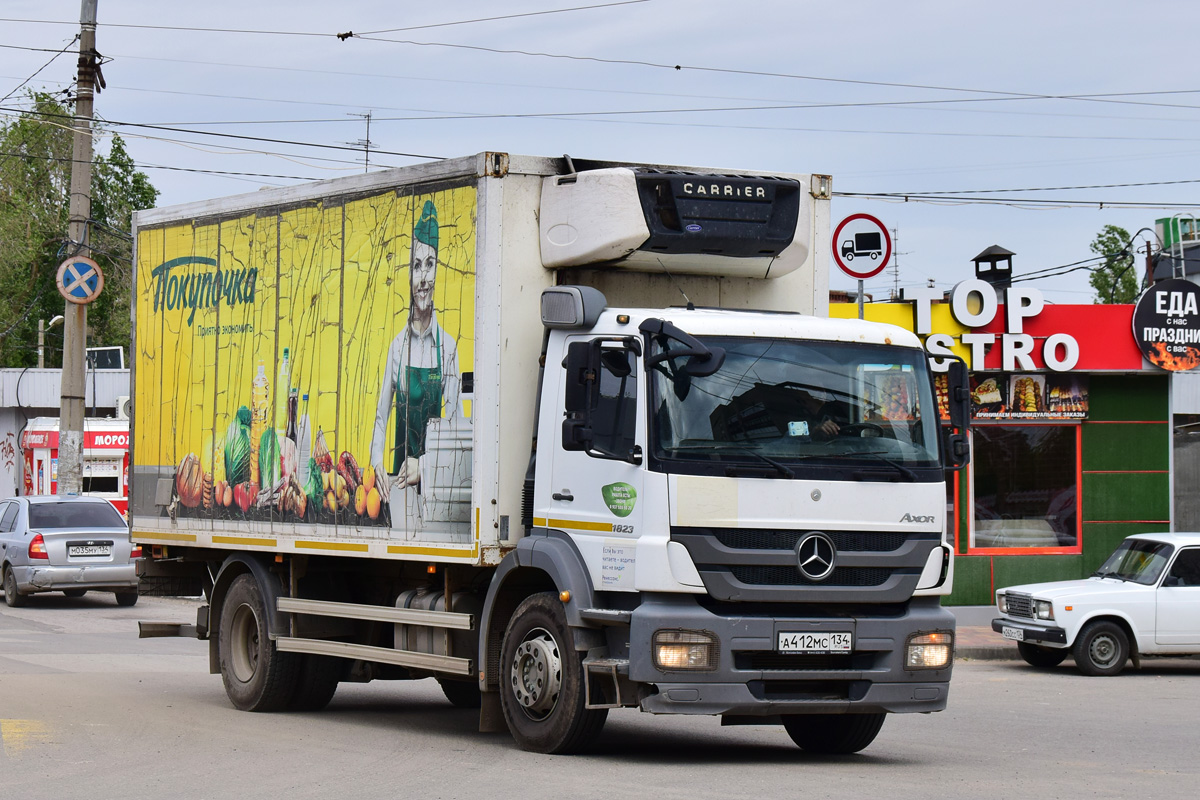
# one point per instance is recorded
(790, 576)
(844, 541)
(1020, 605)
(767, 661)
(804, 690)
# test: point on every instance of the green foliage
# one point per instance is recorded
(35, 178)
(1116, 280)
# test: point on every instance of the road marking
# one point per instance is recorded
(19, 735)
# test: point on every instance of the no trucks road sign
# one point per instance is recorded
(861, 246)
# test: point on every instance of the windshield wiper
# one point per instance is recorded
(880, 454)
(782, 469)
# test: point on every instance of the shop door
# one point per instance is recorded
(42, 469)
(1178, 601)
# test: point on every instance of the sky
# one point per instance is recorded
(978, 113)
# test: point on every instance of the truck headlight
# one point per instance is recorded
(684, 650)
(1002, 603)
(1043, 609)
(929, 650)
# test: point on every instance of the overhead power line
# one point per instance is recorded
(39, 69)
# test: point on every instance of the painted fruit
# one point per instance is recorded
(360, 501)
(369, 478)
(373, 503)
(189, 481)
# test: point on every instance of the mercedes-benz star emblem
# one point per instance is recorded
(816, 556)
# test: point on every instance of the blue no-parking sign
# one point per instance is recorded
(80, 280)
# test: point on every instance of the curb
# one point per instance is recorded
(984, 653)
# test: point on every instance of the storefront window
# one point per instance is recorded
(1024, 486)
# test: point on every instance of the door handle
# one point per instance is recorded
(565, 495)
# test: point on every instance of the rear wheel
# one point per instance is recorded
(1101, 649)
(461, 694)
(1037, 656)
(74, 592)
(12, 597)
(257, 676)
(833, 734)
(541, 681)
(127, 598)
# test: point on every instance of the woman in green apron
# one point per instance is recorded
(421, 373)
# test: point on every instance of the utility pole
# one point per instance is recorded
(74, 376)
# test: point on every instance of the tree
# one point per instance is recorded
(1116, 280)
(35, 177)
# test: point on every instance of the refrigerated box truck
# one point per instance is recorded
(566, 436)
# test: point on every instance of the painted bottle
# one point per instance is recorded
(260, 407)
(282, 388)
(304, 443)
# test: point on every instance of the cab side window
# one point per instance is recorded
(1186, 569)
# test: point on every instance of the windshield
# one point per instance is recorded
(1137, 560)
(777, 402)
(74, 515)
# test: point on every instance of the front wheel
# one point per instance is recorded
(127, 599)
(74, 593)
(12, 596)
(1044, 657)
(833, 734)
(257, 676)
(1101, 649)
(541, 681)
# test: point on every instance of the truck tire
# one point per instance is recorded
(1044, 657)
(12, 596)
(257, 677)
(541, 681)
(1101, 649)
(461, 694)
(833, 734)
(316, 682)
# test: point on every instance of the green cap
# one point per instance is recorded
(426, 229)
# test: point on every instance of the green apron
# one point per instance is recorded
(418, 400)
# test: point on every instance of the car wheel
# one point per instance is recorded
(1037, 656)
(833, 734)
(127, 598)
(316, 683)
(12, 596)
(461, 694)
(74, 592)
(541, 681)
(257, 676)
(1101, 649)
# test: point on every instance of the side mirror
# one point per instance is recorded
(958, 388)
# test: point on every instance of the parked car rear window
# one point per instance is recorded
(74, 515)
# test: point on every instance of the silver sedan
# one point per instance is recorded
(71, 545)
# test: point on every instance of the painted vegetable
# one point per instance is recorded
(268, 458)
(237, 452)
(321, 452)
(313, 489)
(244, 494)
(189, 481)
(347, 467)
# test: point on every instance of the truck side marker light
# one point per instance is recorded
(431, 569)
(565, 596)
(279, 558)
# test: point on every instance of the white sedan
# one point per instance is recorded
(1144, 600)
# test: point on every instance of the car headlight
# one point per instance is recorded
(929, 650)
(684, 650)
(1043, 609)
(1002, 603)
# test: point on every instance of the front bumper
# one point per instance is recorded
(751, 679)
(110, 577)
(1031, 632)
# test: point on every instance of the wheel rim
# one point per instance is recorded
(10, 586)
(243, 641)
(536, 674)
(1103, 650)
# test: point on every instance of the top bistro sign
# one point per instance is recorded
(973, 305)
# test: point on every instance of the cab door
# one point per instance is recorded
(1178, 601)
(596, 477)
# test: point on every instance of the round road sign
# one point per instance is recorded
(80, 280)
(861, 239)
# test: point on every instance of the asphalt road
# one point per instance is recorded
(87, 710)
